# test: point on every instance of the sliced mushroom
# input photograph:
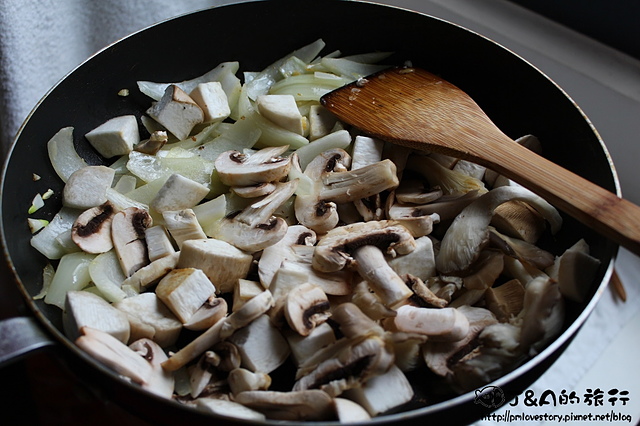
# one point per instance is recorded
(242, 380)
(303, 347)
(150, 318)
(354, 323)
(92, 229)
(236, 169)
(221, 262)
(127, 232)
(520, 249)
(254, 191)
(184, 291)
(211, 311)
(352, 366)
(160, 382)
(229, 408)
(446, 207)
(542, 314)
(141, 369)
(446, 324)
(506, 300)
(152, 145)
(87, 187)
(414, 192)
(451, 182)
(255, 227)
(469, 232)
(250, 311)
(177, 112)
(307, 405)
(365, 152)
(424, 293)
(244, 291)
(420, 262)
(349, 411)
(152, 273)
(306, 307)
(519, 220)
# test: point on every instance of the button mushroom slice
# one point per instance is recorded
(221, 262)
(426, 297)
(242, 380)
(160, 382)
(469, 232)
(152, 273)
(412, 191)
(451, 182)
(178, 193)
(446, 324)
(342, 187)
(255, 227)
(439, 356)
(254, 191)
(354, 323)
(446, 207)
(273, 256)
(84, 309)
(211, 311)
(312, 211)
(332, 283)
(141, 367)
(305, 405)
(349, 411)
(252, 309)
(573, 270)
(354, 365)
(382, 393)
(87, 187)
(261, 345)
(150, 318)
(237, 169)
(91, 231)
(183, 225)
(306, 307)
(195, 348)
(203, 376)
(369, 302)
(421, 262)
(158, 242)
(333, 251)
(366, 151)
(127, 232)
(177, 112)
(371, 264)
(228, 408)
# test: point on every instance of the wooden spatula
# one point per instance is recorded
(414, 108)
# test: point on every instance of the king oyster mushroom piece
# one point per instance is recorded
(184, 291)
(440, 324)
(382, 393)
(152, 273)
(367, 151)
(91, 231)
(178, 193)
(283, 111)
(87, 187)
(177, 112)
(84, 309)
(573, 269)
(304, 405)
(469, 231)
(159, 243)
(237, 169)
(349, 411)
(128, 233)
(228, 408)
(303, 347)
(273, 256)
(213, 100)
(141, 363)
(242, 380)
(116, 136)
(183, 225)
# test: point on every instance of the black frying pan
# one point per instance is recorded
(514, 94)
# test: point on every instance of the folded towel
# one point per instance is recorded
(43, 40)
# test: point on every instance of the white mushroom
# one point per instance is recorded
(383, 392)
(177, 112)
(213, 101)
(242, 380)
(573, 270)
(238, 169)
(117, 136)
(212, 310)
(273, 256)
(469, 232)
(183, 226)
(127, 232)
(92, 229)
(446, 324)
(306, 307)
(158, 242)
(160, 382)
(542, 314)
(152, 273)
(87, 187)
(303, 347)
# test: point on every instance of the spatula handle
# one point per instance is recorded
(614, 217)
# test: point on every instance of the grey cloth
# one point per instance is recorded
(43, 40)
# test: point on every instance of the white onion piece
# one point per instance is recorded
(63, 155)
(72, 274)
(106, 274)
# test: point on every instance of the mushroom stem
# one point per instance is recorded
(372, 266)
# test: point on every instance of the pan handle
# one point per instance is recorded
(20, 336)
